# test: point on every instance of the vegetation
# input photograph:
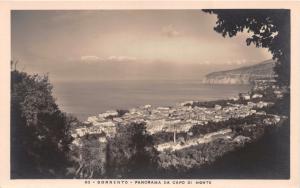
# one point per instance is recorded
(211, 104)
(195, 156)
(179, 161)
(280, 107)
(121, 112)
(232, 123)
(162, 137)
(90, 157)
(131, 153)
(238, 125)
(39, 130)
(221, 102)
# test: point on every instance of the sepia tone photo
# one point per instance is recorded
(150, 94)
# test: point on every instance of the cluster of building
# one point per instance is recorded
(224, 133)
(264, 84)
(179, 118)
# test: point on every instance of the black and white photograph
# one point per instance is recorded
(150, 94)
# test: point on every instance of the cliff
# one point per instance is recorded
(243, 75)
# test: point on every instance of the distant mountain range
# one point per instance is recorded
(243, 75)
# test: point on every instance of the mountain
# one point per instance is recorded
(243, 75)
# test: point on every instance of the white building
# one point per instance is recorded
(81, 131)
(245, 96)
(91, 119)
(234, 98)
(112, 113)
(218, 107)
(255, 96)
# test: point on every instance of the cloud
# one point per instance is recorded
(170, 31)
(121, 58)
(109, 59)
(89, 58)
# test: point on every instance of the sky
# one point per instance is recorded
(78, 45)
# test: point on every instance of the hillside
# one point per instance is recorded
(243, 75)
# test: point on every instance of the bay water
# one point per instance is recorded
(88, 98)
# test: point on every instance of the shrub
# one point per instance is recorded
(40, 135)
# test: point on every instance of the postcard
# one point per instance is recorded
(139, 93)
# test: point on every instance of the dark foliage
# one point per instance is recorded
(121, 112)
(162, 137)
(236, 124)
(211, 104)
(39, 130)
(233, 123)
(90, 157)
(131, 153)
(265, 158)
(270, 28)
(222, 102)
(181, 161)
(281, 106)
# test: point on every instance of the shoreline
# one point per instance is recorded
(117, 97)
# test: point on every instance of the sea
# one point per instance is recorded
(89, 98)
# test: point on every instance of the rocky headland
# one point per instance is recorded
(243, 75)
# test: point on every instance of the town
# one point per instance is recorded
(179, 118)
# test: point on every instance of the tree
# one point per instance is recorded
(40, 134)
(270, 29)
(131, 152)
(89, 156)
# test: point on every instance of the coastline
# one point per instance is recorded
(102, 96)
